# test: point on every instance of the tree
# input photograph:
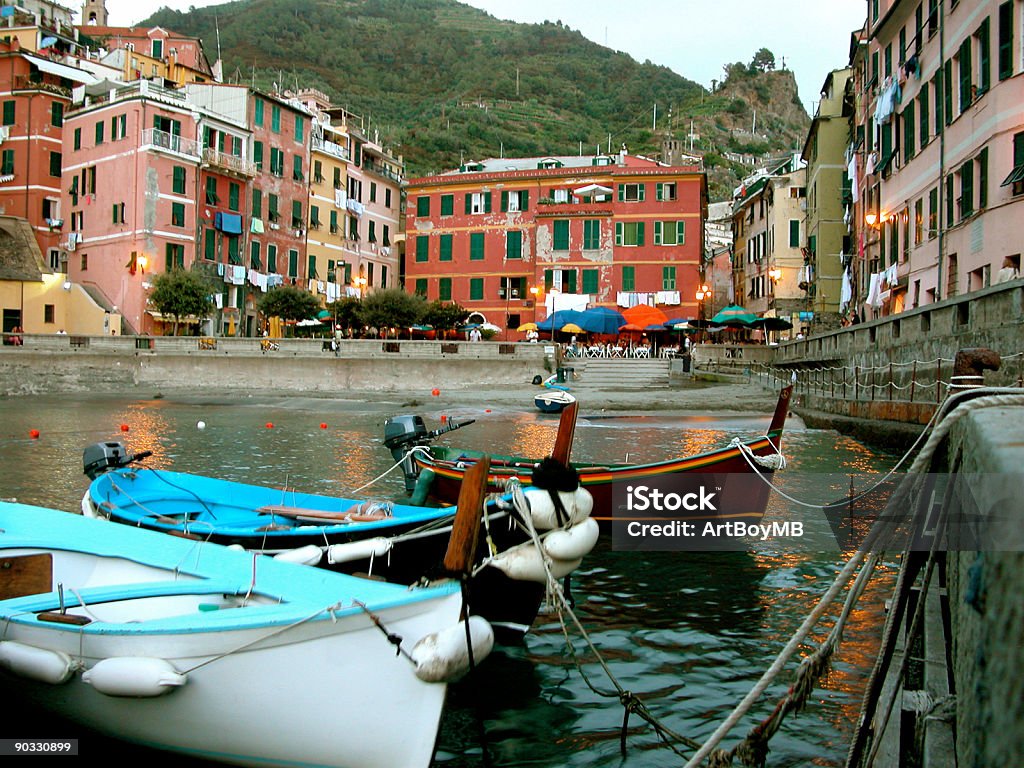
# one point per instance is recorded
(289, 303)
(444, 317)
(345, 312)
(391, 307)
(182, 293)
(764, 60)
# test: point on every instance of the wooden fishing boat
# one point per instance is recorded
(434, 472)
(215, 654)
(400, 543)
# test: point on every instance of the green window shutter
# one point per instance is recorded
(9, 112)
(1005, 41)
(311, 267)
(210, 245)
(561, 235)
(56, 114)
(257, 154)
(524, 200)
(659, 191)
(591, 234)
(937, 93)
(446, 248)
(984, 57)
(949, 199)
(469, 203)
(983, 178)
(422, 248)
(178, 180)
(297, 220)
(78, 138)
(99, 132)
(275, 118)
(293, 263)
(257, 204)
(421, 287)
(947, 85)
(965, 75)
(178, 214)
(476, 246)
(967, 189)
(680, 232)
(334, 223)
(514, 244)
(444, 289)
(922, 103)
(569, 280)
(476, 288)
(487, 202)
(233, 257)
(271, 258)
(423, 206)
(668, 278)
(618, 233)
(504, 202)
(447, 205)
(55, 164)
(258, 113)
(629, 278)
(640, 233)
(254, 255)
(211, 190)
(590, 280)
(549, 280)
(622, 193)
(643, 191)
(658, 229)
(909, 128)
(299, 129)
(233, 194)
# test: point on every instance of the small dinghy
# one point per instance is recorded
(553, 400)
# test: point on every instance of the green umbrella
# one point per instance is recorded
(734, 315)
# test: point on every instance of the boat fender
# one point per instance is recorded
(578, 505)
(524, 562)
(370, 511)
(40, 664)
(133, 676)
(443, 657)
(307, 555)
(572, 543)
(358, 550)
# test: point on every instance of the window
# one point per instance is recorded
(668, 278)
(560, 235)
(422, 248)
(933, 213)
(78, 138)
(666, 191)
(1015, 177)
(794, 233)
(118, 127)
(271, 257)
(373, 192)
(257, 154)
(210, 244)
(515, 201)
(99, 132)
(174, 256)
(300, 129)
(631, 193)
(444, 289)
(421, 287)
(966, 77)
(57, 114)
(257, 203)
(629, 278)
(629, 233)
(254, 255)
(590, 280)
(276, 161)
(211, 190)
(338, 184)
(447, 204)
(966, 174)
(386, 239)
(178, 214)
(933, 17)
(922, 106)
(293, 263)
(476, 246)
(49, 313)
(670, 233)
(560, 195)
(387, 197)
(947, 92)
(178, 180)
(476, 288)
(514, 244)
(446, 248)
(478, 202)
(919, 221)
(9, 112)
(258, 113)
(591, 234)
(118, 215)
(275, 118)
(938, 101)
(7, 164)
(234, 193)
(371, 235)
(297, 174)
(1005, 43)
(983, 178)
(422, 205)
(982, 43)
(297, 218)
(55, 164)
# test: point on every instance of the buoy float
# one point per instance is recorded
(200, 425)
(34, 434)
(524, 562)
(444, 418)
(34, 663)
(124, 427)
(573, 543)
(134, 676)
(358, 550)
(487, 410)
(323, 425)
(435, 391)
(578, 505)
(270, 425)
(443, 657)
(307, 555)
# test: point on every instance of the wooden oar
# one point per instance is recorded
(466, 527)
(566, 431)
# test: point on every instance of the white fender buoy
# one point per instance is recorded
(307, 555)
(134, 676)
(443, 657)
(573, 543)
(358, 550)
(34, 663)
(88, 510)
(578, 505)
(524, 562)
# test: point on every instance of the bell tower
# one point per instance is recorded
(94, 13)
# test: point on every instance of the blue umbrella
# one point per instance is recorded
(562, 317)
(601, 320)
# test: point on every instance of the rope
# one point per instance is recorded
(396, 465)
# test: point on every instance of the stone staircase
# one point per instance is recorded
(615, 373)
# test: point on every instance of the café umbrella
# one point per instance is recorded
(734, 316)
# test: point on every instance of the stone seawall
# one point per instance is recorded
(32, 370)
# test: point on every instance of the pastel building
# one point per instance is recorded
(514, 239)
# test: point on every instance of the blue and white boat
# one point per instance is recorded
(553, 400)
(188, 646)
(400, 543)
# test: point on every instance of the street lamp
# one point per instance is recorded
(703, 293)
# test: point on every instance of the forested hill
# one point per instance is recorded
(444, 82)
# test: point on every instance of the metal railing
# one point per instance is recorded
(228, 162)
(154, 137)
(330, 148)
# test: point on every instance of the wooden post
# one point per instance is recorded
(844, 382)
(856, 380)
(938, 380)
(892, 384)
(913, 380)
(873, 382)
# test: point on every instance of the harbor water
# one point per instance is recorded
(687, 633)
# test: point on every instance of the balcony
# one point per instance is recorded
(154, 138)
(40, 83)
(330, 148)
(230, 163)
(575, 207)
(381, 170)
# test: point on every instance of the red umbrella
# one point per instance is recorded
(644, 315)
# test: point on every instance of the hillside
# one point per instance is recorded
(443, 82)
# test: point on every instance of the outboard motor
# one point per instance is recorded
(102, 457)
(402, 433)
